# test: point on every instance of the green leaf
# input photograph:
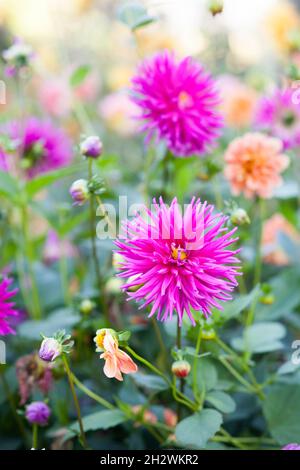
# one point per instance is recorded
(103, 419)
(63, 318)
(151, 382)
(195, 431)
(222, 401)
(261, 338)
(8, 186)
(207, 375)
(240, 303)
(134, 15)
(46, 179)
(287, 295)
(282, 412)
(79, 75)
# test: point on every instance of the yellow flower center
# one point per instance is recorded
(184, 100)
(178, 253)
(100, 338)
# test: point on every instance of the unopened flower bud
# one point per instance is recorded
(86, 306)
(79, 192)
(50, 349)
(216, 7)
(91, 147)
(114, 285)
(239, 217)
(181, 368)
(267, 299)
(208, 334)
(18, 55)
(170, 417)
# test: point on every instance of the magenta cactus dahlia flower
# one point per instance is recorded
(178, 103)
(42, 146)
(178, 261)
(6, 306)
(279, 115)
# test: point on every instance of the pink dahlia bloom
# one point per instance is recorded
(43, 147)
(178, 261)
(6, 306)
(177, 102)
(254, 163)
(279, 115)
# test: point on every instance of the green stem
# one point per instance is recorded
(258, 260)
(28, 249)
(12, 404)
(100, 282)
(92, 394)
(35, 432)
(181, 381)
(217, 193)
(63, 268)
(165, 176)
(179, 396)
(243, 364)
(161, 343)
(233, 440)
(195, 363)
(76, 402)
(237, 375)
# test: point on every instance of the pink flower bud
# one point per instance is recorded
(181, 368)
(79, 192)
(91, 147)
(50, 349)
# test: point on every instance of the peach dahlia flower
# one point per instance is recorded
(116, 361)
(254, 163)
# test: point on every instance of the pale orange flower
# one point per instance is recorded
(116, 361)
(282, 21)
(272, 251)
(253, 165)
(238, 102)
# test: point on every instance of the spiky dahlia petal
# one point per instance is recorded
(6, 306)
(178, 260)
(177, 102)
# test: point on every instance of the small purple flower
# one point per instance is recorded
(50, 349)
(279, 115)
(291, 447)
(91, 147)
(41, 145)
(79, 192)
(38, 413)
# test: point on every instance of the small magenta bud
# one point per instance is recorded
(38, 413)
(50, 349)
(239, 217)
(79, 192)
(181, 368)
(91, 147)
